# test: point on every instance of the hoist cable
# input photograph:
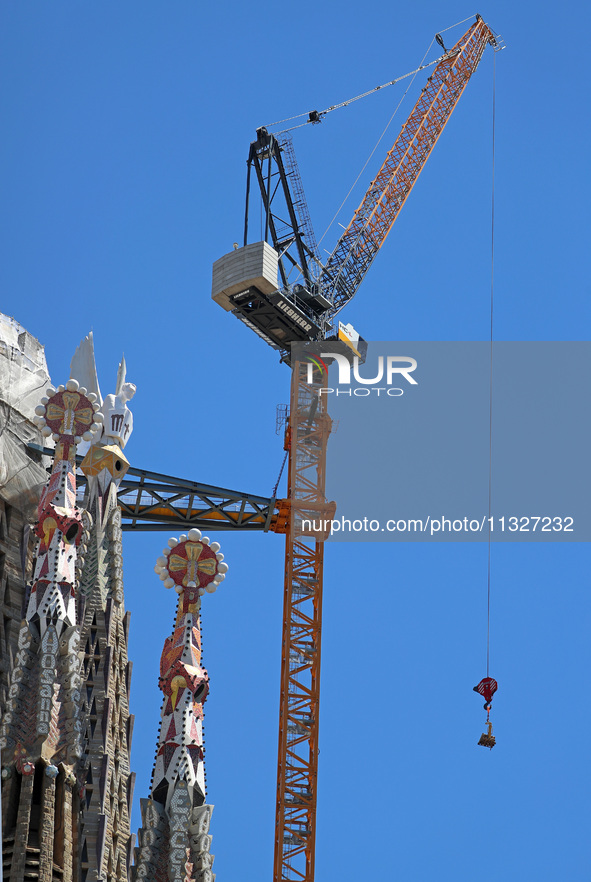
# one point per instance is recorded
(456, 24)
(275, 488)
(346, 103)
(490, 415)
(354, 184)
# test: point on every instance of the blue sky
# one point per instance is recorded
(126, 130)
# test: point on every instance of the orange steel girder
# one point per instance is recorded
(297, 768)
(386, 195)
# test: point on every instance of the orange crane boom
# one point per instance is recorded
(388, 192)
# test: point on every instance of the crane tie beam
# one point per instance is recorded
(315, 116)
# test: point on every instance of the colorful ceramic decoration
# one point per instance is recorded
(65, 734)
(192, 565)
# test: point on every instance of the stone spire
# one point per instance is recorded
(173, 840)
(105, 780)
(66, 728)
(41, 729)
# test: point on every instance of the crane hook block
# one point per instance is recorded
(487, 688)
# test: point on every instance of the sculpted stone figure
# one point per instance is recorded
(118, 419)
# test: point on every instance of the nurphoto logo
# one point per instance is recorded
(392, 368)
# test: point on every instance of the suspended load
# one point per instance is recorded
(487, 688)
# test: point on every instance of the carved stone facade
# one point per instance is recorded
(65, 728)
(106, 779)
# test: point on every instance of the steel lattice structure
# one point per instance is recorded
(388, 192)
(297, 768)
(152, 501)
(309, 427)
(157, 502)
(310, 295)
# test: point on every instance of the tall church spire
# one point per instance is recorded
(173, 841)
(66, 730)
(106, 781)
(41, 734)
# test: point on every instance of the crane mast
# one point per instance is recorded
(283, 293)
(307, 513)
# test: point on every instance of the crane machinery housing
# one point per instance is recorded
(280, 288)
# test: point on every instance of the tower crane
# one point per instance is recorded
(282, 291)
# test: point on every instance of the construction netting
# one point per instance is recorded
(23, 379)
